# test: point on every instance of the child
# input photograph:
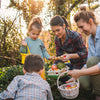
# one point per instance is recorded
(29, 86)
(35, 45)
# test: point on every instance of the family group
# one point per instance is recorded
(84, 63)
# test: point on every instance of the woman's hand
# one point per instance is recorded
(65, 57)
(75, 73)
(24, 43)
(71, 80)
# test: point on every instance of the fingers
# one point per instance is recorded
(56, 58)
(70, 80)
(69, 73)
(65, 57)
(74, 73)
(24, 43)
(52, 57)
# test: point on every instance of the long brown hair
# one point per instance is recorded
(58, 20)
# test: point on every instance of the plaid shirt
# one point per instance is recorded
(72, 44)
(28, 87)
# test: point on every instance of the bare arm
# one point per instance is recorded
(91, 71)
(70, 56)
(85, 71)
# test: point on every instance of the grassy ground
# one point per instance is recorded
(83, 95)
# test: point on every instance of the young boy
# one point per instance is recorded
(29, 86)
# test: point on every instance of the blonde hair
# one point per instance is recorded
(85, 16)
(36, 22)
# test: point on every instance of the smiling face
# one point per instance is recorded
(59, 31)
(84, 27)
(34, 33)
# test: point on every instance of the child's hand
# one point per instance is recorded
(52, 57)
(24, 43)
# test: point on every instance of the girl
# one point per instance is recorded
(35, 45)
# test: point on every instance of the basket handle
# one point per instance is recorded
(62, 75)
(28, 50)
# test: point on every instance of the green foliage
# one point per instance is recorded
(64, 7)
(10, 40)
(52, 43)
(60, 65)
(7, 74)
(94, 6)
(51, 48)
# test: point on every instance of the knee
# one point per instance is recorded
(92, 61)
(84, 82)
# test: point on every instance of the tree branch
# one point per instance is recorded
(73, 5)
(5, 32)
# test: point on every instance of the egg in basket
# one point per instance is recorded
(55, 70)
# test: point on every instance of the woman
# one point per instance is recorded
(69, 44)
(86, 22)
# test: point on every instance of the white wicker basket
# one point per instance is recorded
(68, 93)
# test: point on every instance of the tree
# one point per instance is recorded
(64, 7)
(28, 8)
(10, 39)
(10, 35)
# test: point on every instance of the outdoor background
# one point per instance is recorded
(14, 18)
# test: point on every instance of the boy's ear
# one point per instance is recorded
(24, 71)
(91, 21)
(41, 71)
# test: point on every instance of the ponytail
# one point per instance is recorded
(65, 21)
(58, 21)
(36, 22)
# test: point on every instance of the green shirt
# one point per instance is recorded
(35, 47)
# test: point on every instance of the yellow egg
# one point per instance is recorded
(74, 86)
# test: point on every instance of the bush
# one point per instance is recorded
(7, 74)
